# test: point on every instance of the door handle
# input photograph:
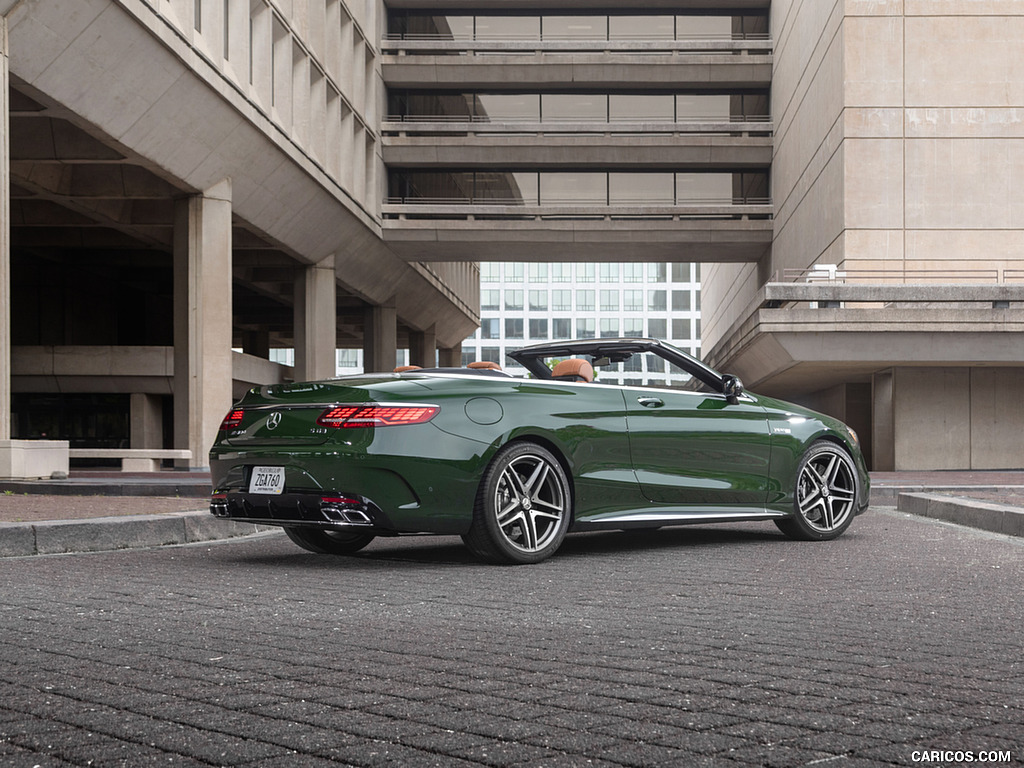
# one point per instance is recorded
(650, 402)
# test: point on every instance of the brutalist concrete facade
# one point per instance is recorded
(898, 151)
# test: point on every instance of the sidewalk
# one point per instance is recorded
(97, 511)
(94, 511)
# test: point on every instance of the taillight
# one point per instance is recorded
(233, 419)
(376, 415)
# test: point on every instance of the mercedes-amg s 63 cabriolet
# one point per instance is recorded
(513, 463)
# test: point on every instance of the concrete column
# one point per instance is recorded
(147, 422)
(450, 357)
(423, 347)
(380, 343)
(5, 241)
(316, 321)
(883, 433)
(202, 319)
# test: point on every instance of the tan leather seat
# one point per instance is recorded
(486, 365)
(576, 369)
(404, 368)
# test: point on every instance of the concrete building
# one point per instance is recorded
(184, 178)
(896, 167)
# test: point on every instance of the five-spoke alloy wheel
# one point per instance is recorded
(523, 508)
(826, 494)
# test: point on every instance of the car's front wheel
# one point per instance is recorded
(523, 507)
(329, 542)
(826, 494)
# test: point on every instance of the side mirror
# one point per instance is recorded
(732, 388)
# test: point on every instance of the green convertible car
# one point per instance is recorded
(512, 464)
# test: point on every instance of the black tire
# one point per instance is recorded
(826, 494)
(523, 508)
(329, 542)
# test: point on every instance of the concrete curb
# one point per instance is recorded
(986, 515)
(888, 495)
(108, 533)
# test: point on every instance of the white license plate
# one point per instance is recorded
(267, 480)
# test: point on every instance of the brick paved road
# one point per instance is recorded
(719, 646)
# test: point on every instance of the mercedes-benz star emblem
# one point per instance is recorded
(273, 420)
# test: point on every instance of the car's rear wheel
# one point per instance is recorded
(523, 507)
(826, 494)
(329, 542)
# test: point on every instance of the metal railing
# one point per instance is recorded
(828, 273)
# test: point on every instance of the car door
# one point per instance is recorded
(697, 449)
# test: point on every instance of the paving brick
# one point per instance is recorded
(713, 646)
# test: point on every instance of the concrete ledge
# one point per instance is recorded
(110, 533)
(988, 516)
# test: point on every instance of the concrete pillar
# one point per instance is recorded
(423, 348)
(5, 241)
(450, 357)
(316, 321)
(380, 343)
(883, 432)
(202, 319)
(147, 420)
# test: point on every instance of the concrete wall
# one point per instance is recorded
(957, 418)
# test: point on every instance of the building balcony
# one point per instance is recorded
(709, 143)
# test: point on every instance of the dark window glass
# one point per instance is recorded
(680, 301)
(513, 328)
(561, 328)
(538, 329)
(657, 328)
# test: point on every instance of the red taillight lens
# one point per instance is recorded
(233, 419)
(376, 415)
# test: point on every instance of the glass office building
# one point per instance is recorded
(530, 303)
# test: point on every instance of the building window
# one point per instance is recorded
(633, 327)
(681, 272)
(490, 272)
(633, 273)
(513, 327)
(680, 301)
(561, 301)
(585, 273)
(681, 330)
(490, 299)
(584, 301)
(609, 273)
(538, 273)
(561, 328)
(490, 328)
(585, 328)
(609, 301)
(633, 301)
(539, 329)
(538, 301)
(513, 300)
(657, 301)
(609, 328)
(656, 273)
(561, 273)
(491, 354)
(656, 328)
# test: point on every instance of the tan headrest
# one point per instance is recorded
(485, 365)
(576, 369)
(404, 368)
